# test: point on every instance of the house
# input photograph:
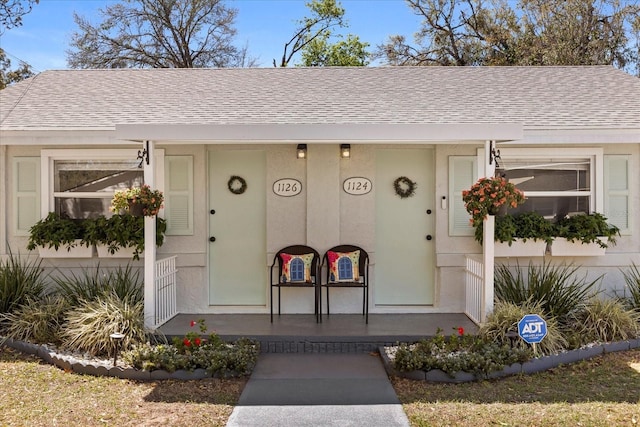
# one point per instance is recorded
(200, 133)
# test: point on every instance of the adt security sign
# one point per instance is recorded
(532, 328)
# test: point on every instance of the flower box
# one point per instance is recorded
(77, 251)
(520, 248)
(103, 252)
(562, 247)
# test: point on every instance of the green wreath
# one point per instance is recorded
(404, 187)
(237, 184)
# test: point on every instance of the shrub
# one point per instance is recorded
(124, 282)
(195, 351)
(38, 320)
(557, 288)
(19, 282)
(632, 278)
(501, 327)
(466, 353)
(605, 320)
(88, 326)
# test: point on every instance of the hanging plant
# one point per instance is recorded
(404, 187)
(237, 184)
(488, 195)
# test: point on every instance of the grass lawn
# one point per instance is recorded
(604, 391)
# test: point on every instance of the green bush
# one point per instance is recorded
(89, 325)
(587, 228)
(38, 320)
(604, 320)
(212, 354)
(465, 353)
(19, 281)
(632, 279)
(501, 327)
(54, 231)
(556, 287)
(124, 282)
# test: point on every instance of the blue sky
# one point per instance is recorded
(265, 25)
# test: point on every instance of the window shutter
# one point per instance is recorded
(462, 175)
(617, 198)
(26, 194)
(178, 204)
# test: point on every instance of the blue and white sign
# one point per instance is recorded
(532, 328)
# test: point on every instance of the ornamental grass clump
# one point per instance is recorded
(458, 353)
(556, 287)
(632, 280)
(604, 320)
(20, 281)
(488, 195)
(38, 320)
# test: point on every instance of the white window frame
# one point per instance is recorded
(594, 154)
(48, 158)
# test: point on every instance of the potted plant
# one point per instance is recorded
(525, 234)
(583, 235)
(121, 235)
(137, 201)
(53, 232)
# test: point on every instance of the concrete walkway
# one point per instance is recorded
(321, 389)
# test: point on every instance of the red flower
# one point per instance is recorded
(186, 342)
(460, 331)
(197, 342)
(193, 323)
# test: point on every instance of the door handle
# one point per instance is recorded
(429, 237)
(212, 239)
(212, 211)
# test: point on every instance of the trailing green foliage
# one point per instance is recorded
(587, 228)
(465, 353)
(89, 325)
(54, 232)
(501, 327)
(604, 320)
(556, 287)
(632, 278)
(525, 226)
(92, 284)
(38, 320)
(19, 281)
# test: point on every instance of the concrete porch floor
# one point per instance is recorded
(338, 333)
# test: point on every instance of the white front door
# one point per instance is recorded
(405, 248)
(237, 222)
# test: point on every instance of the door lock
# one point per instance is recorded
(212, 239)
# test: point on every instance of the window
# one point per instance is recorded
(80, 184)
(554, 187)
(84, 188)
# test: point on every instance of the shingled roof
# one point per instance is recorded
(537, 97)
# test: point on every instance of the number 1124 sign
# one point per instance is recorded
(356, 185)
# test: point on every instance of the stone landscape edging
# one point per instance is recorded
(532, 366)
(71, 364)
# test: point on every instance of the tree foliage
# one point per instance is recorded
(158, 34)
(12, 11)
(9, 76)
(349, 52)
(325, 15)
(535, 32)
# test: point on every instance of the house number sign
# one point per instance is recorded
(287, 187)
(356, 185)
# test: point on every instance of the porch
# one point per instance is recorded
(338, 333)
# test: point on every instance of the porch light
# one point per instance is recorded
(345, 151)
(302, 151)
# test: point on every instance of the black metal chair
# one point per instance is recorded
(347, 281)
(293, 272)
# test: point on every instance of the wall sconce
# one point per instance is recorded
(301, 151)
(345, 151)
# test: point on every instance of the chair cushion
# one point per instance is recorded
(296, 268)
(343, 266)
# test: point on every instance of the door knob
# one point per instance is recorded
(212, 239)
(212, 211)
(429, 237)
(428, 211)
